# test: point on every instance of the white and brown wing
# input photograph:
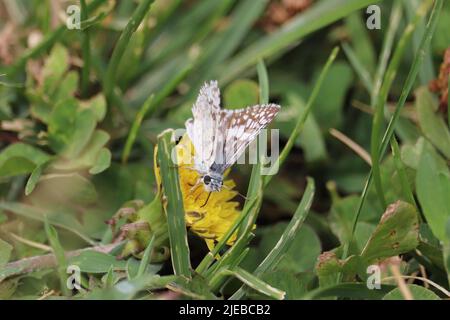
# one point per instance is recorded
(202, 129)
(241, 127)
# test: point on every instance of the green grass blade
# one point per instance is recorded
(426, 39)
(315, 18)
(360, 69)
(426, 73)
(163, 20)
(49, 40)
(401, 170)
(409, 82)
(86, 51)
(174, 211)
(209, 258)
(132, 25)
(283, 244)
(255, 283)
(58, 250)
(301, 120)
(57, 220)
(135, 128)
(249, 214)
(386, 50)
(150, 106)
(291, 230)
(180, 34)
(380, 100)
(169, 88)
(263, 80)
(224, 44)
(255, 177)
(146, 258)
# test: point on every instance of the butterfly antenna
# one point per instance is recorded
(243, 197)
(209, 194)
(239, 194)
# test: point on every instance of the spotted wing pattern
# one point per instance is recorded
(241, 127)
(220, 136)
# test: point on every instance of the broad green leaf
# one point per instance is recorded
(20, 158)
(61, 124)
(84, 127)
(433, 189)
(56, 188)
(89, 156)
(433, 125)
(55, 67)
(396, 233)
(362, 233)
(240, 94)
(67, 87)
(102, 162)
(91, 261)
(341, 215)
(60, 255)
(328, 269)
(332, 270)
(418, 293)
(311, 139)
(329, 104)
(410, 154)
(34, 177)
(97, 105)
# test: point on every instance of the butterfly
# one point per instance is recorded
(220, 136)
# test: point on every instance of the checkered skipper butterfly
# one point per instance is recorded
(220, 136)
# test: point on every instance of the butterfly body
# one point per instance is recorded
(220, 136)
(212, 181)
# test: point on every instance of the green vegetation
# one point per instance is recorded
(361, 187)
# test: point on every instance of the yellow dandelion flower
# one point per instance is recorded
(209, 216)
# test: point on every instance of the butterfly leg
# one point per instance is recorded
(195, 186)
(209, 194)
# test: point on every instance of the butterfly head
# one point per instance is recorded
(212, 182)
